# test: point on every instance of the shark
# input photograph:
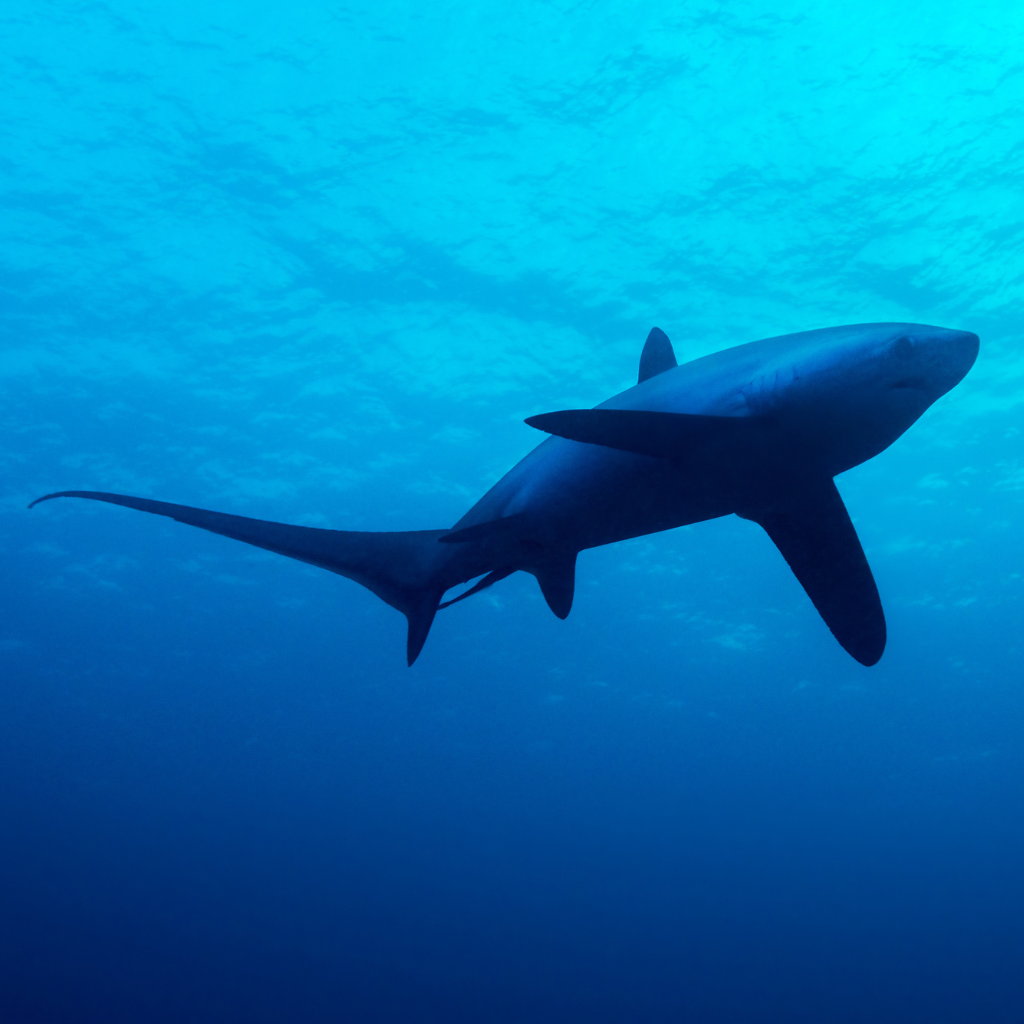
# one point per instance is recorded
(758, 430)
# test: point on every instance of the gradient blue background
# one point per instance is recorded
(314, 262)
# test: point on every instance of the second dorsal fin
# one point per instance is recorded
(657, 356)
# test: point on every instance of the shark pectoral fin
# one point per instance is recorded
(557, 578)
(812, 529)
(657, 356)
(666, 435)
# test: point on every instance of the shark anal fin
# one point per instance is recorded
(666, 435)
(399, 568)
(657, 355)
(488, 581)
(812, 529)
(557, 578)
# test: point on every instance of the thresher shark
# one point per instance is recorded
(758, 430)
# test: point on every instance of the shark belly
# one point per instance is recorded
(568, 494)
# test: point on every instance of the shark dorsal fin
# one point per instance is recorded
(657, 356)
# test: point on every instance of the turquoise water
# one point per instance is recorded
(315, 263)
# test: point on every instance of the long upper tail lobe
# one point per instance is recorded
(403, 569)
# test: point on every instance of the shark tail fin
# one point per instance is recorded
(402, 569)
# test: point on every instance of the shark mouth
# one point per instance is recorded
(910, 384)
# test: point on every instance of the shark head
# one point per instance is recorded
(861, 386)
(926, 361)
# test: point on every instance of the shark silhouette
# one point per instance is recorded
(758, 431)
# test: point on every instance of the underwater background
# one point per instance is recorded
(314, 262)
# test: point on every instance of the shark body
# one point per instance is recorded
(758, 430)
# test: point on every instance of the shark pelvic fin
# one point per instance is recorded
(400, 568)
(666, 435)
(812, 529)
(557, 578)
(657, 355)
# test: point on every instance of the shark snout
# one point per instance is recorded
(935, 361)
(959, 351)
(968, 345)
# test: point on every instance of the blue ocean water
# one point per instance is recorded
(314, 263)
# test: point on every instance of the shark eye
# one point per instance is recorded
(903, 348)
